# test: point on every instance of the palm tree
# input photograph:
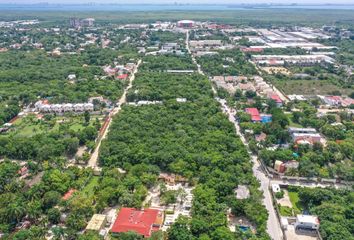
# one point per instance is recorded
(15, 212)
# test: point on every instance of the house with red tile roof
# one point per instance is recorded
(277, 99)
(255, 116)
(143, 222)
(122, 76)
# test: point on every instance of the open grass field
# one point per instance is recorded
(29, 126)
(295, 201)
(88, 190)
(309, 87)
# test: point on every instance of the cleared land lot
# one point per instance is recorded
(309, 87)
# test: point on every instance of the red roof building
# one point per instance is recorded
(122, 76)
(255, 116)
(252, 50)
(277, 99)
(68, 194)
(142, 222)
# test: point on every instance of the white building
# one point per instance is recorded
(68, 107)
(71, 77)
(43, 106)
(307, 222)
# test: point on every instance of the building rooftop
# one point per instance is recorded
(254, 114)
(303, 130)
(139, 221)
(308, 219)
(96, 223)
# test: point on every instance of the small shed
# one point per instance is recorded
(97, 222)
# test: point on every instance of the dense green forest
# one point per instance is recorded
(167, 62)
(166, 86)
(227, 62)
(196, 140)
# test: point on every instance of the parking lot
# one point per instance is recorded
(292, 234)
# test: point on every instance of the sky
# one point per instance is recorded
(184, 1)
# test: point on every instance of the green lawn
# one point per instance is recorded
(291, 123)
(88, 190)
(29, 126)
(285, 211)
(295, 201)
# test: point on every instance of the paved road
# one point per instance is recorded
(94, 157)
(311, 184)
(273, 226)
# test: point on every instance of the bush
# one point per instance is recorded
(279, 195)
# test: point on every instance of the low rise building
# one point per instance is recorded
(255, 116)
(306, 60)
(205, 43)
(45, 107)
(305, 135)
(97, 222)
(307, 222)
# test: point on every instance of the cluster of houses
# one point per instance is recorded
(44, 107)
(263, 88)
(119, 71)
(232, 83)
(207, 47)
(337, 101)
(166, 48)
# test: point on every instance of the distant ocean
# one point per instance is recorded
(167, 7)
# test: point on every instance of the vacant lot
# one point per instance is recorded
(309, 87)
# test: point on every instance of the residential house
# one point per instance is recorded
(276, 98)
(255, 116)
